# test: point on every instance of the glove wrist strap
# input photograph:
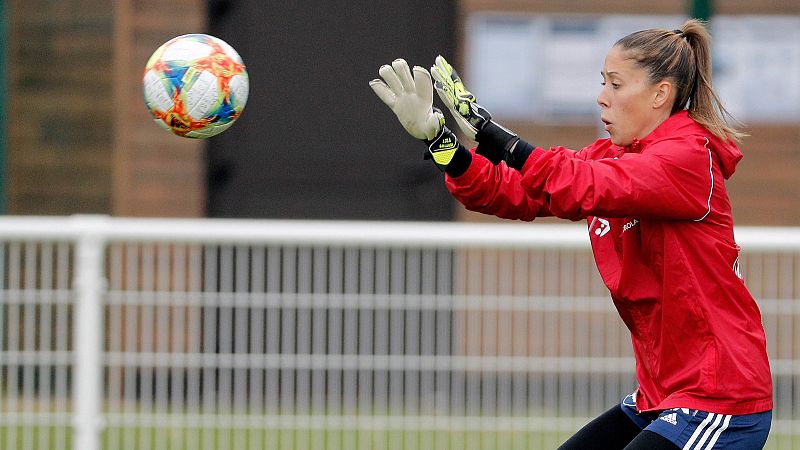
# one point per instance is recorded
(496, 136)
(493, 154)
(444, 148)
(516, 158)
(495, 140)
(460, 162)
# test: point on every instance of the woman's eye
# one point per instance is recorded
(615, 85)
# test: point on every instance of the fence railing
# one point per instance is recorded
(214, 334)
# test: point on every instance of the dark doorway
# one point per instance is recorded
(314, 142)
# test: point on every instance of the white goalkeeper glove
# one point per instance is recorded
(495, 142)
(411, 100)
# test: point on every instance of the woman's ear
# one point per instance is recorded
(663, 94)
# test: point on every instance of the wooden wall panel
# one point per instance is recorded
(60, 101)
(765, 189)
(154, 172)
(80, 139)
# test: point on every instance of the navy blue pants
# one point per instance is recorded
(622, 428)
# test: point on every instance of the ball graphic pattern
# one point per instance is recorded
(195, 85)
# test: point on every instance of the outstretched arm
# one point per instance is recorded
(672, 179)
(481, 186)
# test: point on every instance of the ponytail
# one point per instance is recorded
(705, 106)
(684, 57)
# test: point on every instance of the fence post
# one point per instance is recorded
(87, 328)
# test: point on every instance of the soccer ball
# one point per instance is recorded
(195, 85)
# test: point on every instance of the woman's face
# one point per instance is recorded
(631, 106)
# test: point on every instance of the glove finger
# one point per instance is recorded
(444, 86)
(423, 85)
(383, 92)
(441, 65)
(446, 68)
(438, 75)
(400, 67)
(390, 77)
(439, 115)
(444, 94)
(433, 124)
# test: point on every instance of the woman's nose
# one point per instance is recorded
(601, 100)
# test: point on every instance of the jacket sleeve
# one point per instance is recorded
(496, 190)
(670, 179)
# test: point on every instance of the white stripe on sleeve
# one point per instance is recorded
(711, 172)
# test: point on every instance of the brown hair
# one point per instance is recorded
(684, 57)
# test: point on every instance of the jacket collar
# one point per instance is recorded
(727, 153)
(665, 128)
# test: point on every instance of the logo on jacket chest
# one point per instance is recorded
(603, 228)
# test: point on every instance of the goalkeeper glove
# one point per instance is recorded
(495, 142)
(411, 100)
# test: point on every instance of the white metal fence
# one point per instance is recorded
(217, 334)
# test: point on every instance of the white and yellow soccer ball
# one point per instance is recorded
(195, 85)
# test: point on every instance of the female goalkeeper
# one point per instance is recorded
(659, 218)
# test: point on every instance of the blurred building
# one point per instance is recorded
(313, 141)
(79, 137)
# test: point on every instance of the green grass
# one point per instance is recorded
(19, 438)
(323, 439)
(136, 438)
(28, 437)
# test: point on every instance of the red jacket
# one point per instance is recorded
(662, 236)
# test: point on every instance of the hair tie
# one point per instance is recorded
(678, 32)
